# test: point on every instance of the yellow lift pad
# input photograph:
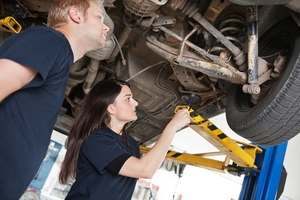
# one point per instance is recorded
(10, 24)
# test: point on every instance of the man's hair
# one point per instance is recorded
(58, 12)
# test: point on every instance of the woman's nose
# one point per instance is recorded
(136, 102)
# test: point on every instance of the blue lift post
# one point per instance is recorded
(262, 183)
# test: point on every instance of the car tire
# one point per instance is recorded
(275, 119)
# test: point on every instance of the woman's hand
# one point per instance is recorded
(180, 119)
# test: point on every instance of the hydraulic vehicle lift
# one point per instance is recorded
(262, 167)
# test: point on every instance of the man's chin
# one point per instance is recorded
(102, 44)
(99, 44)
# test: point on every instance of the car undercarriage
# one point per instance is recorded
(240, 57)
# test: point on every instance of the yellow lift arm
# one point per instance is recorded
(242, 154)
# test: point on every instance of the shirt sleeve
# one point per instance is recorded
(115, 165)
(102, 150)
(38, 48)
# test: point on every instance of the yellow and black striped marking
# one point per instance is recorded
(221, 141)
(243, 157)
(192, 159)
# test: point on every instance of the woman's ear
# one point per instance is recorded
(111, 109)
(75, 15)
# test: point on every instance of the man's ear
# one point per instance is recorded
(75, 15)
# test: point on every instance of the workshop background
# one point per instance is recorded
(193, 184)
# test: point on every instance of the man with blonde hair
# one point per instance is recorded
(34, 67)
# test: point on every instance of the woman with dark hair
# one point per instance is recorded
(101, 156)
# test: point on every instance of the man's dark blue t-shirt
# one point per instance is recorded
(27, 116)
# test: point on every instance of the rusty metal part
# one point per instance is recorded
(193, 61)
(178, 59)
(264, 74)
(260, 2)
(209, 96)
(251, 89)
(188, 79)
(191, 10)
(147, 22)
(252, 14)
(202, 52)
(176, 4)
(294, 5)
(163, 21)
(214, 9)
(142, 8)
(279, 64)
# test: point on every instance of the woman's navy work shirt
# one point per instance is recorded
(100, 160)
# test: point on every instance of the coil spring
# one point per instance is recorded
(234, 29)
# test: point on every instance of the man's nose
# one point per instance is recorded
(106, 28)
